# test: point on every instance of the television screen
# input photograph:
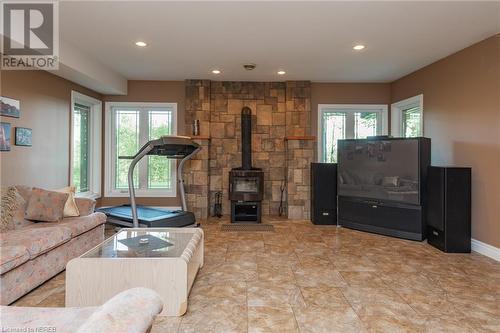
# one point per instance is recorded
(379, 169)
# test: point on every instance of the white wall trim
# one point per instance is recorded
(485, 249)
(397, 112)
(95, 139)
(109, 190)
(322, 108)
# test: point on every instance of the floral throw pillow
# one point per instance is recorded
(46, 206)
(11, 202)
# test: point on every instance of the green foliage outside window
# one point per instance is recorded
(128, 143)
(81, 120)
(159, 172)
(411, 122)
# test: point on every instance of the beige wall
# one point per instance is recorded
(462, 117)
(150, 91)
(45, 108)
(346, 93)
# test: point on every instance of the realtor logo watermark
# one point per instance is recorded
(30, 35)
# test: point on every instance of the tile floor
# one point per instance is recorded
(306, 278)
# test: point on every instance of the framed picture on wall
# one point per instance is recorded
(4, 136)
(10, 107)
(23, 136)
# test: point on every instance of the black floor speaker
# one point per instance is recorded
(324, 193)
(449, 208)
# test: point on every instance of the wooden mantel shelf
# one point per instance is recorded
(199, 137)
(304, 137)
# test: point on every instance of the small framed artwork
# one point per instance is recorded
(10, 107)
(4, 136)
(23, 136)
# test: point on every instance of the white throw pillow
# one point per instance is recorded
(70, 208)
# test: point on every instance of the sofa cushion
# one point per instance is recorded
(131, 311)
(38, 238)
(47, 206)
(81, 224)
(85, 206)
(24, 191)
(12, 256)
(18, 216)
(32, 319)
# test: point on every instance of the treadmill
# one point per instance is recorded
(133, 215)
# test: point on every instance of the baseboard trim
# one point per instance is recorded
(485, 249)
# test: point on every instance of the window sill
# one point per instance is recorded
(88, 195)
(142, 194)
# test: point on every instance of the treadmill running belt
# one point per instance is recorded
(145, 214)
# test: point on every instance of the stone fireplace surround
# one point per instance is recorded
(281, 125)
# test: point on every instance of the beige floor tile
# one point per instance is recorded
(163, 324)
(377, 302)
(314, 319)
(319, 277)
(270, 294)
(218, 317)
(228, 272)
(363, 279)
(311, 278)
(325, 297)
(279, 319)
(275, 274)
(385, 324)
(446, 324)
(203, 294)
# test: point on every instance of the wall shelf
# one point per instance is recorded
(303, 137)
(199, 137)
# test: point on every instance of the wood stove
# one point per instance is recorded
(246, 184)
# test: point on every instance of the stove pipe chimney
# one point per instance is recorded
(246, 138)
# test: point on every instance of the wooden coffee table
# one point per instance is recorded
(163, 259)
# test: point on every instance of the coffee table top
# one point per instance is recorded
(146, 243)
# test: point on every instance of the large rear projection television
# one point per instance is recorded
(381, 185)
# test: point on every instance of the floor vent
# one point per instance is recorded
(247, 227)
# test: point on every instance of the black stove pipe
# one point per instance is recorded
(246, 138)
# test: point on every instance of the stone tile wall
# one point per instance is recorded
(278, 109)
(196, 181)
(298, 108)
(300, 154)
(267, 101)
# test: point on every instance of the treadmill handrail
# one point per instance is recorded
(143, 152)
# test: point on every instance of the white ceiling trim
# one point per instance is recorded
(78, 67)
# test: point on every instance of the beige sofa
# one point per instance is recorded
(131, 311)
(33, 252)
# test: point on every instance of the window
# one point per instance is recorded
(130, 126)
(407, 117)
(343, 121)
(81, 128)
(85, 158)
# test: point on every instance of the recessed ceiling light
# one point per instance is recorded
(215, 71)
(281, 72)
(359, 47)
(141, 44)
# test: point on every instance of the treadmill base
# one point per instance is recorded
(122, 216)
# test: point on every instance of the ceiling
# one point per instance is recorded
(310, 41)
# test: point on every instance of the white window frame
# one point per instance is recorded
(397, 114)
(351, 109)
(95, 143)
(109, 170)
